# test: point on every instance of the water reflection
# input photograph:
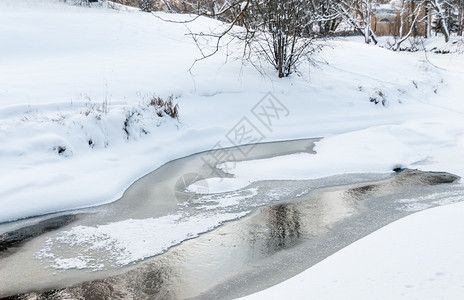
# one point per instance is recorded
(404, 180)
(195, 266)
(362, 192)
(284, 225)
(15, 238)
(151, 281)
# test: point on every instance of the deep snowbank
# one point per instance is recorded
(71, 75)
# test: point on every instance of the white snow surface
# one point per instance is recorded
(76, 129)
(121, 243)
(71, 76)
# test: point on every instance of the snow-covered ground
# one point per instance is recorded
(77, 127)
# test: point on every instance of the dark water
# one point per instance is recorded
(15, 238)
(281, 237)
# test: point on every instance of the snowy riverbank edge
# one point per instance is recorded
(76, 128)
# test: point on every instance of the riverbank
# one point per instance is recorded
(79, 125)
(301, 224)
(63, 129)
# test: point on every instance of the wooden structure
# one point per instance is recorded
(387, 19)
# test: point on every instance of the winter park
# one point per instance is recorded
(181, 149)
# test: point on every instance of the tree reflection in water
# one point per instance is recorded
(284, 224)
(151, 281)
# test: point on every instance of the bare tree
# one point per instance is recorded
(455, 12)
(460, 16)
(329, 17)
(441, 13)
(279, 32)
(412, 13)
(359, 13)
(211, 8)
(283, 38)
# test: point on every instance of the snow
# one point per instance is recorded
(418, 257)
(371, 150)
(431, 200)
(376, 149)
(127, 241)
(62, 92)
(72, 79)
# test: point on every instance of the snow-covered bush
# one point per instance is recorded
(88, 125)
(165, 108)
(140, 120)
(378, 97)
(147, 5)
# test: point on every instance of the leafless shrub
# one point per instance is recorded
(279, 33)
(165, 107)
(93, 106)
(378, 97)
(127, 123)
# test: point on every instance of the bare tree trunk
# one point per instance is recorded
(429, 23)
(460, 16)
(441, 14)
(413, 16)
(359, 15)
(445, 30)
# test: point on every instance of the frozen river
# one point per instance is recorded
(161, 241)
